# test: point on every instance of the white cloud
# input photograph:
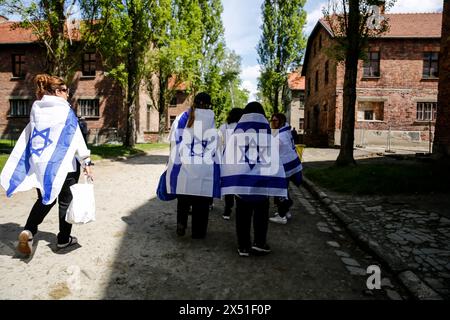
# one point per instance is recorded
(249, 76)
(313, 17)
(405, 6)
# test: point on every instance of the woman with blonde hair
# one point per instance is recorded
(47, 156)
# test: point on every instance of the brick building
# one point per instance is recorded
(397, 85)
(93, 95)
(295, 104)
(442, 142)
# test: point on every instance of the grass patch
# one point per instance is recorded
(383, 178)
(111, 151)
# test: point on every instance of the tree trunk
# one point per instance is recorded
(133, 83)
(162, 109)
(441, 145)
(345, 157)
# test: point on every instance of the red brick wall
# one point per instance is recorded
(442, 143)
(400, 86)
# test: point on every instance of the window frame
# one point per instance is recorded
(81, 109)
(90, 63)
(21, 73)
(12, 113)
(432, 112)
(371, 64)
(428, 62)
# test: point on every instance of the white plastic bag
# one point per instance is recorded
(82, 208)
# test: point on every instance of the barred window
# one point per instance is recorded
(326, 71)
(89, 64)
(371, 67)
(426, 111)
(18, 65)
(88, 108)
(19, 107)
(430, 65)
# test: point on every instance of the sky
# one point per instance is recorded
(242, 21)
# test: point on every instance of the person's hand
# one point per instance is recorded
(89, 172)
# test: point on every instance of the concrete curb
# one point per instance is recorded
(416, 287)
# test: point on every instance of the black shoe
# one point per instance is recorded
(181, 230)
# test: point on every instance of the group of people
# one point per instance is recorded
(246, 162)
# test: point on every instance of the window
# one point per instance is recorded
(88, 108)
(370, 111)
(430, 65)
(426, 111)
(88, 64)
(172, 119)
(326, 72)
(371, 67)
(19, 107)
(18, 68)
(316, 83)
(173, 101)
(308, 88)
(301, 124)
(149, 109)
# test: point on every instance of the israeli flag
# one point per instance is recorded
(45, 151)
(251, 164)
(291, 162)
(193, 167)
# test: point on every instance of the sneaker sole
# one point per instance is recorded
(279, 222)
(261, 250)
(24, 246)
(243, 254)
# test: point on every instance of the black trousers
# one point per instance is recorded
(229, 203)
(200, 213)
(40, 210)
(283, 205)
(244, 212)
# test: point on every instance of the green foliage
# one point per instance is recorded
(281, 46)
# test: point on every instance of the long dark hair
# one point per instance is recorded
(201, 101)
(254, 107)
(235, 115)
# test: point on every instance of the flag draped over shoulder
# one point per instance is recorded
(291, 162)
(251, 164)
(45, 151)
(193, 167)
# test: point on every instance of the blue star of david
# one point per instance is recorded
(44, 134)
(197, 141)
(245, 154)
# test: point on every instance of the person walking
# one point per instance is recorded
(291, 163)
(46, 157)
(253, 172)
(225, 131)
(193, 170)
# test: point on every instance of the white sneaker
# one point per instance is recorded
(288, 215)
(25, 242)
(278, 219)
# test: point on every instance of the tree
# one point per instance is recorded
(352, 23)
(127, 38)
(441, 146)
(54, 25)
(281, 46)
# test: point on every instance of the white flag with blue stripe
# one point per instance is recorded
(289, 157)
(193, 167)
(251, 164)
(45, 151)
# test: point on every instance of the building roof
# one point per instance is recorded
(9, 34)
(296, 81)
(401, 25)
(408, 25)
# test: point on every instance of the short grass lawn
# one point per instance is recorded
(111, 151)
(383, 178)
